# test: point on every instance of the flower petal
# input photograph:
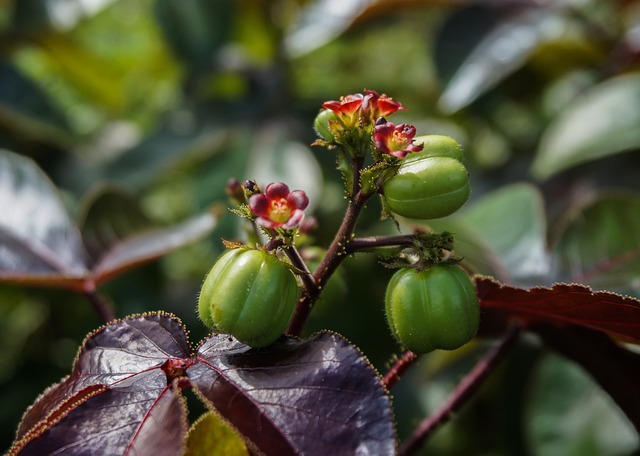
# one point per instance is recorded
(259, 205)
(267, 223)
(296, 218)
(298, 199)
(276, 190)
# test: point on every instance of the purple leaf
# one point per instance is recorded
(116, 400)
(318, 396)
(314, 397)
(38, 241)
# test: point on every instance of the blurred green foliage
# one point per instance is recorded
(171, 98)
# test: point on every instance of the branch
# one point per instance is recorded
(462, 393)
(101, 305)
(399, 368)
(368, 243)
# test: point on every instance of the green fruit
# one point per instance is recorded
(249, 294)
(434, 308)
(437, 146)
(322, 125)
(427, 188)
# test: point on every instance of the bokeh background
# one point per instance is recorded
(167, 99)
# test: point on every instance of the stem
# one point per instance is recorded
(336, 253)
(296, 260)
(399, 368)
(368, 243)
(462, 393)
(101, 305)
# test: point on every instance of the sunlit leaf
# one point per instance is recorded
(564, 305)
(211, 435)
(603, 121)
(276, 395)
(122, 396)
(38, 241)
(118, 373)
(501, 52)
(599, 245)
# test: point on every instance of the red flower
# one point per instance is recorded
(367, 107)
(277, 207)
(381, 105)
(395, 140)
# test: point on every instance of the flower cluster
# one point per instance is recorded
(362, 108)
(278, 207)
(396, 140)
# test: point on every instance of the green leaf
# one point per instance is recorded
(499, 53)
(598, 244)
(503, 234)
(211, 435)
(603, 121)
(569, 415)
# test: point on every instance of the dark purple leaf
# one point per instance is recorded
(314, 397)
(38, 241)
(116, 400)
(564, 305)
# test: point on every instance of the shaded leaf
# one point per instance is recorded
(569, 415)
(210, 435)
(603, 121)
(500, 53)
(502, 234)
(616, 369)
(109, 215)
(564, 305)
(276, 395)
(599, 244)
(147, 246)
(38, 241)
(116, 400)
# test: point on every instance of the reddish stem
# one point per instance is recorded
(399, 368)
(101, 305)
(462, 393)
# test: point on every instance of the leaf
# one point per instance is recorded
(503, 234)
(211, 435)
(116, 400)
(564, 305)
(568, 414)
(109, 215)
(39, 243)
(501, 52)
(122, 396)
(603, 121)
(598, 244)
(275, 396)
(147, 246)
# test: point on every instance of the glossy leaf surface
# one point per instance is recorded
(603, 121)
(116, 400)
(275, 396)
(121, 397)
(41, 245)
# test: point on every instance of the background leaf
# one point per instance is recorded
(564, 305)
(276, 395)
(39, 242)
(599, 245)
(603, 121)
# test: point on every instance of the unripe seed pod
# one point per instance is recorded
(437, 146)
(431, 309)
(322, 125)
(249, 294)
(427, 188)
